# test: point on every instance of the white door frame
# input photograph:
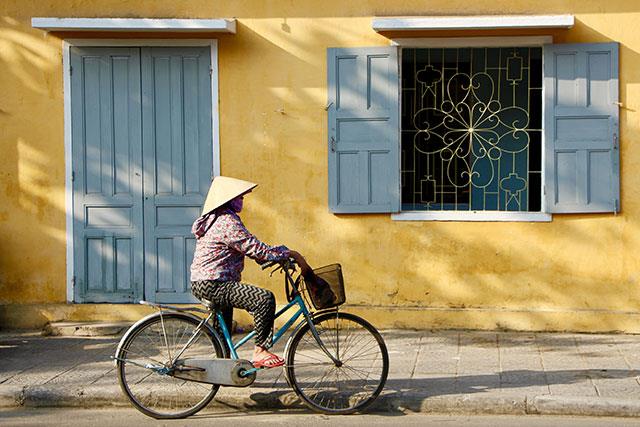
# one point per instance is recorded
(66, 76)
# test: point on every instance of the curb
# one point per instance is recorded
(85, 329)
(452, 404)
(587, 406)
(94, 397)
(267, 398)
(11, 396)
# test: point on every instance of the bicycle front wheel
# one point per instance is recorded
(338, 388)
(152, 346)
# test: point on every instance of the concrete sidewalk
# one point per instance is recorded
(431, 371)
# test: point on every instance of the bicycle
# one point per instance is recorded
(172, 363)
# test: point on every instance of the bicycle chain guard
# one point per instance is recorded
(215, 371)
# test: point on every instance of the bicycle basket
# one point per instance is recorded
(326, 287)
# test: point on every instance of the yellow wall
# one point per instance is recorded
(579, 272)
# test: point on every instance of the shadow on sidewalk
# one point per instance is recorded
(412, 392)
(549, 341)
(506, 380)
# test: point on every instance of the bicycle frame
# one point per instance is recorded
(302, 311)
(296, 300)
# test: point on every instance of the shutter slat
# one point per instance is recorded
(581, 128)
(364, 133)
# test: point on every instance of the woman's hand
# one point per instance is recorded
(304, 267)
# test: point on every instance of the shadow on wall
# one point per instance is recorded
(31, 177)
(280, 116)
(449, 265)
(256, 9)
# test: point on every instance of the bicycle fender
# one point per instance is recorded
(174, 313)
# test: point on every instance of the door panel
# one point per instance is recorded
(178, 158)
(107, 184)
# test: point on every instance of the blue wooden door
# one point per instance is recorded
(107, 174)
(178, 158)
(142, 161)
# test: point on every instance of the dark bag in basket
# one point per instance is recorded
(319, 290)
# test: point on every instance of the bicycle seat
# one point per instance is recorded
(208, 304)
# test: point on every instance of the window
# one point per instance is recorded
(471, 129)
(440, 130)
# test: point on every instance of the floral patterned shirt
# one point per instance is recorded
(222, 246)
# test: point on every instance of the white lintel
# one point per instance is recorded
(480, 22)
(222, 25)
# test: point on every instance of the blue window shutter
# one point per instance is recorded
(581, 128)
(364, 133)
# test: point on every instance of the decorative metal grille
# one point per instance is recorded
(471, 129)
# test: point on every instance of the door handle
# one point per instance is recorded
(332, 144)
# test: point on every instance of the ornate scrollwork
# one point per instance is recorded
(473, 126)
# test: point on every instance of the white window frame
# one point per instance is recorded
(66, 66)
(497, 216)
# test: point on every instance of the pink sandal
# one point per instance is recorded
(271, 361)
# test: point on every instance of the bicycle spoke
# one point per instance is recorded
(372, 352)
(317, 359)
(145, 355)
(322, 378)
(355, 342)
(301, 364)
(360, 373)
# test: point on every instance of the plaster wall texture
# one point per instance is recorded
(578, 272)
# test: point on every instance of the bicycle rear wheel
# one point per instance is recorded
(343, 388)
(150, 347)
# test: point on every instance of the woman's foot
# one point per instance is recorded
(265, 359)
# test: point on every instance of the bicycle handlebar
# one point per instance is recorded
(286, 266)
(289, 263)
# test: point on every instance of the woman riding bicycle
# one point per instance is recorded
(222, 242)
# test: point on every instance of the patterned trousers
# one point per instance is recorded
(261, 303)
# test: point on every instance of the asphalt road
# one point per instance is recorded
(130, 417)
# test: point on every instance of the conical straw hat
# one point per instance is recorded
(224, 189)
